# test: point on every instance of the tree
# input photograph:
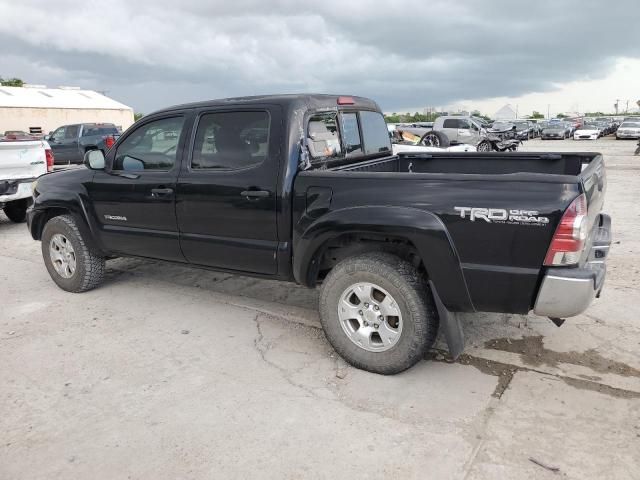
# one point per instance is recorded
(137, 116)
(11, 82)
(536, 114)
(561, 115)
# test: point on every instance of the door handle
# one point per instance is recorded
(255, 193)
(161, 192)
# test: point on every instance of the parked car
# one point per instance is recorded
(554, 131)
(396, 243)
(628, 129)
(590, 131)
(524, 129)
(70, 142)
(21, 162)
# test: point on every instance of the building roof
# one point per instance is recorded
(36, 97)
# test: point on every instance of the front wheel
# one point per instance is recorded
(484, 146)
(378, 313)
(71, 263)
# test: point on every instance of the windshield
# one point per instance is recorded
(630, 125)
(522, 125)
(502, 125)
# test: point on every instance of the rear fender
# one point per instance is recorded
(423, 229)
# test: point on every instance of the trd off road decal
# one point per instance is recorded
(501, 215)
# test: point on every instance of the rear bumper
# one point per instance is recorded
(11, 190)
(566, 292)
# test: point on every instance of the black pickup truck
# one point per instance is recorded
(70, 142)
(304, 188)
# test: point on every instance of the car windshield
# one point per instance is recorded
(502, 125)
(630, 125)
(521, 125)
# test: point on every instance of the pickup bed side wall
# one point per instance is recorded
(475, 263)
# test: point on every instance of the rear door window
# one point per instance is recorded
(450, 123)
(231, 140)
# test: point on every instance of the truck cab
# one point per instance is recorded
(459, 129)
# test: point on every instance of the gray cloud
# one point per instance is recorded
(149, 54)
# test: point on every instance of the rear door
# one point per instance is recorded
(226, 195)
(450, 129)
(134, 198)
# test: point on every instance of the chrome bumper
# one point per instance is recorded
(566, 292)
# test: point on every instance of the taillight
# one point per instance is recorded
(346, 101)
(109, 141)
(48, 153)
(571, 233)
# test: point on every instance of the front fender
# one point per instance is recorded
(58, 200)
(424, 229)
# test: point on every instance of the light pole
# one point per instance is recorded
(548, 109)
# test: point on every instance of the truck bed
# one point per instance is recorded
(501, 262)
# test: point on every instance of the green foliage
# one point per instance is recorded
(137, 116)
(11, 82)
(536, 114)
(561, 115)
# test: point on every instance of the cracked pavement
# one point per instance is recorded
(171, 372)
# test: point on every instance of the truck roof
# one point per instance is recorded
(306, 101)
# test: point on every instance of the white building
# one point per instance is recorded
(505, 113)
(38, 109)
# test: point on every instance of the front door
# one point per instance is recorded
(226, 197)
(64, 144)
(134, 197)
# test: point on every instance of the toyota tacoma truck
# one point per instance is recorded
(304, 188)
(21, 162)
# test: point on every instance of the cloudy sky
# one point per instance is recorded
(556, 54)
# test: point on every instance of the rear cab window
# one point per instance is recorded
(347, 135)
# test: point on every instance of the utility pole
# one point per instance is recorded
(626, 110)
(615, 105)
(548, 109)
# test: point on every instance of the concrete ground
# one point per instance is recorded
(168, 372)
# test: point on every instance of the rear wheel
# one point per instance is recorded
(16, 210)
(378, 313)
(72, 265)
(435, 139)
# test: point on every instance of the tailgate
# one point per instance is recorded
(594, 182)
(21, 160)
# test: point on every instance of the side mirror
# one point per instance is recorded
(94, 159)
(47, 137)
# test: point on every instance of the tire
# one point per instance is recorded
(416, 324)
(16, 210)
(435, 139)
(88, 271)
(484, 146)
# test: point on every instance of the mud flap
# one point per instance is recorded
(450, 324)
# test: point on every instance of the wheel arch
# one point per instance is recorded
(408, 232)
